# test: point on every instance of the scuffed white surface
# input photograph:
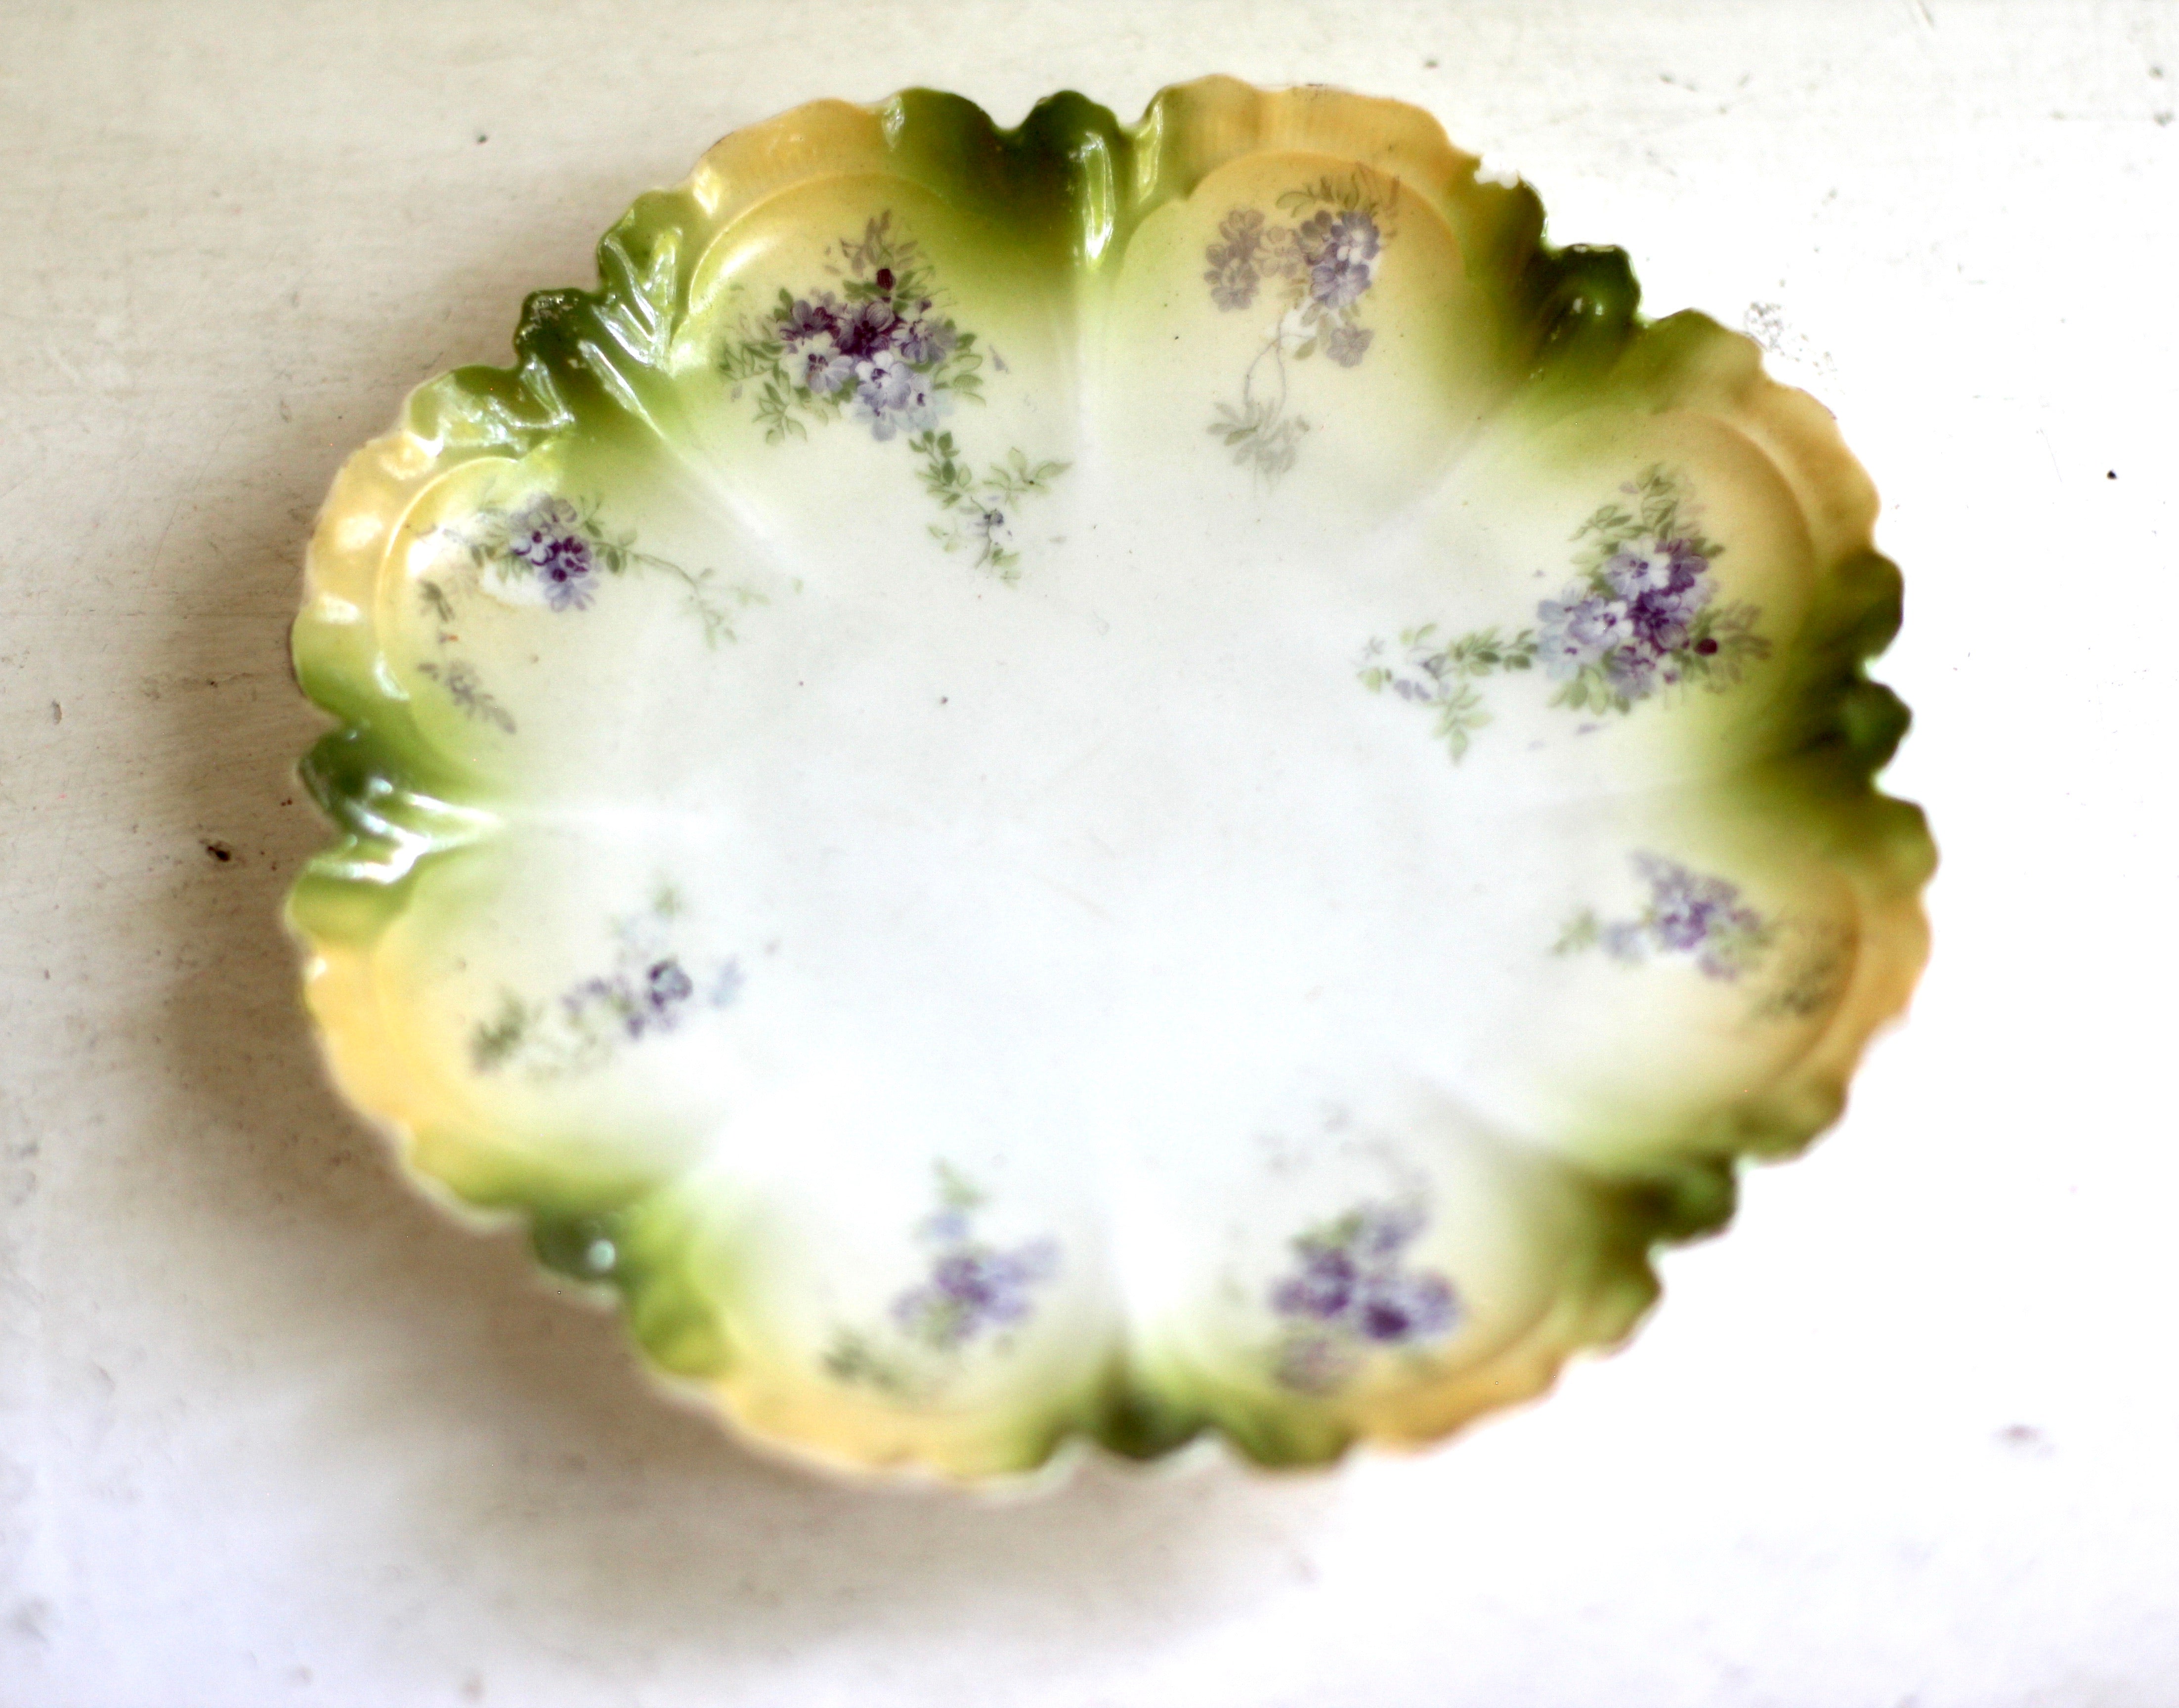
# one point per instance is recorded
(270, 1431)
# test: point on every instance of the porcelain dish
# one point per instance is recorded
(1102, 783)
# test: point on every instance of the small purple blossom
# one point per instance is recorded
(810, 317)
(992, 1287)
(891, 395)
(539, 525)
(1393, 1310)
(1340, 250)
(885, 361)
(1347, 345)
(1350, 1288)
(648, 999)
(1233, 275)
(870, 350)
(650, 991)
(1631, 672)
(1660, 621)
(1688, 913)
(924, 343)
(869, 331)
(973, 1287)
(1576, 630)
(826, 370)
(1631, 619)
(666, 984)
(1323, 1288)
(1654, 566)
(546, 536)
(568, 574)
(1664, 583)
(1417, 676)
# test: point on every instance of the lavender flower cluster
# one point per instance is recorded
(1329, 261)
(1234, 276)
(973, 1288)
(547, 537)
(650, 991)
(882, 353)
(1350, 1288)
(1688, 913)
(649, 997)
(1632, 619)
(1340, 250)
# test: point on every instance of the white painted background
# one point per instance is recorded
(272, 1433)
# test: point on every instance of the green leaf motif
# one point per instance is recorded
(1426, 673)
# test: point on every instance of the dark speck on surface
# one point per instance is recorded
(219, 851)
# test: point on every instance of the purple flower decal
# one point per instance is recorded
(1346, 344)
(973, 1288)
(1349, 1289)
(547, 535)
(1232, 275)
(882, 352)
(1319, 270)
(1392, 1310)
(891, 395)
(644, 998)
(538, 526)
(666, 985)
(1664, 584)
(1644, 617)
(810, 318)
(971, 1291)
(1692, 914)
(649, 990)
(1688, 913)
(1575, 631)
(885, 361)
(827, 370)
(568, 573)
(1631, 673)
(1322, 1287)
(925, 342)
(1653, 566)
(1340, 250)
(1632, 626)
